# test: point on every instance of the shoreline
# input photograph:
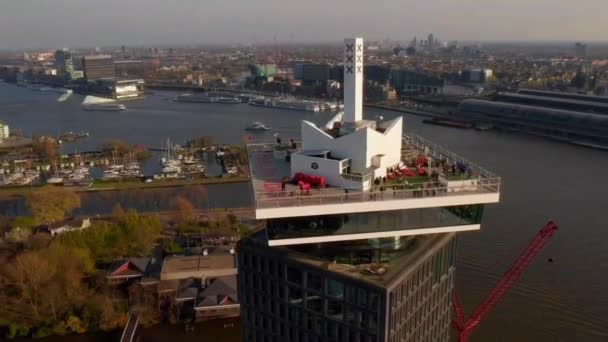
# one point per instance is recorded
(18, 191)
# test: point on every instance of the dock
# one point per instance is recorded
(131, 328)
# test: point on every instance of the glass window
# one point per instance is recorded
(294, 295)
(314, 303)
(294, 275)
(335, 288)
(335, 309)
(374, 301)
(314, 282)
(362, 298)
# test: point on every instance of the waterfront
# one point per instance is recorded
(563, 300)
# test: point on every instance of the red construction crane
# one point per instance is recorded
(465, 328)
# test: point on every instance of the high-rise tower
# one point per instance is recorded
(360, 244)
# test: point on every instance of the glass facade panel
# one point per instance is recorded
(372, 222)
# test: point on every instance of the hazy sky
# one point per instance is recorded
(70, 23)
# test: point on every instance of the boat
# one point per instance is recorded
(257, 126)
(285, 103)
(72, 136)
(54, 180)
(448, 123)
(94, 103)
(207, 98)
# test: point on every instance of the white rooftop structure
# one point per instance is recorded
(348, 155)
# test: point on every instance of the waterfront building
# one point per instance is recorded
(64, 63)
(205, 282)
(589, 129)
(129, 69)
(405, 81)
(315, 73)
(377, 73)
(350, 250)
(583, 103)
(119, 89)
(4, 131)
(98, 67)
(564, 95)
(476, 75)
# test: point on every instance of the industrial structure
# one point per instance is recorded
(466, 326)
(359, 229)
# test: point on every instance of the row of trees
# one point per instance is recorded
(57, 286)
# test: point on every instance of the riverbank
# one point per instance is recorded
(407, 111)
(130, 184)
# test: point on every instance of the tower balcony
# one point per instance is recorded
(446, 188)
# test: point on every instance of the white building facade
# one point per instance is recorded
(348, 151)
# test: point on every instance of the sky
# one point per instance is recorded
(87, 23)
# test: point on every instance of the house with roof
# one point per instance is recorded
(218, 299)
(128, 269)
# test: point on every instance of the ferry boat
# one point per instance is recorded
(206, 98)
(257, 126)
(94, 103)
(286, 103)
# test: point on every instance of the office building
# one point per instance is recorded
(411, 82)
(476, 75)
(580, 50)
(118, 89)
(129, 69)
(315, 73)
(431, 41)
(4, 131)
(64, 63)
(576, 127)
(377, 73)
(348, 250)
(98, 67)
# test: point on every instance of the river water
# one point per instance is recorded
(565, 300)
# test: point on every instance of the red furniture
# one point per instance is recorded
(318, 181)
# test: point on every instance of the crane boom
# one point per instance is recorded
(506, 282)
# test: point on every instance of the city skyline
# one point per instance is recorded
(67, 23)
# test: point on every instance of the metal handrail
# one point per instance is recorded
(440, 152)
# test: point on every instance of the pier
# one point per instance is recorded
(131, 328)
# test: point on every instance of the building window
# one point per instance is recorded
(362, 298)
(314, 282)
(335, 288)
(314, 303)
(335, 309)
(295, 295)
(294, 276)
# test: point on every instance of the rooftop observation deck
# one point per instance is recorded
(268, 169)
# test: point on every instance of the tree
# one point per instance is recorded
(50, 203)
(118, 213)
(184, 210)
(120, 147)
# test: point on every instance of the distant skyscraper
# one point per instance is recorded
(98, 67)
(580, 49)
(431, 41)
(64, 63)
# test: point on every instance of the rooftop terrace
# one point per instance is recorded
(269, 168)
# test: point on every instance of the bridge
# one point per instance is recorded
(131, 328)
